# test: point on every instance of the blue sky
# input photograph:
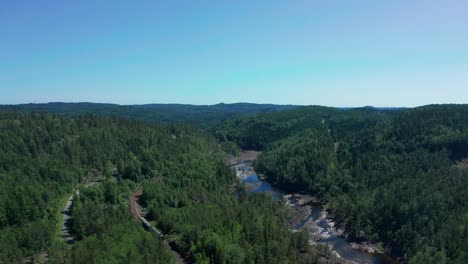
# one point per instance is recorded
(335, 53)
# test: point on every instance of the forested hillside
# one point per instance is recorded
(395, 176)
(189, 191)
(157, 113)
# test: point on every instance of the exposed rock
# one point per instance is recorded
(304, 199)
(462, 164)
(322, 260)
(367, 247)
(245, 156)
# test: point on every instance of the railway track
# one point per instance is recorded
(136, 212)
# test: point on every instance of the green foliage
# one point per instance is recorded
(42, 157)
(387, 175)
(106, 233)
(192, 206)
(188, 190)
(220, 228)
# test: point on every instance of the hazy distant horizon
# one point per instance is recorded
(231, 102)
(280, 104)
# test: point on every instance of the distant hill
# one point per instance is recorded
(160, 113)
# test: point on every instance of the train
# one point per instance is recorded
(149, 227)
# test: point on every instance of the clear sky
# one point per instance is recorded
(335, 53)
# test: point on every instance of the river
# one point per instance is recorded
(309, 215)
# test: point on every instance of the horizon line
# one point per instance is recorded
(221, 103)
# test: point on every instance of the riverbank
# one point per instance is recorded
(307, 213)
(302, 206)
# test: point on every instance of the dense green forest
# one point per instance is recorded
(395, 176)
(219, 228)
(105, 231)
(190, 193)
